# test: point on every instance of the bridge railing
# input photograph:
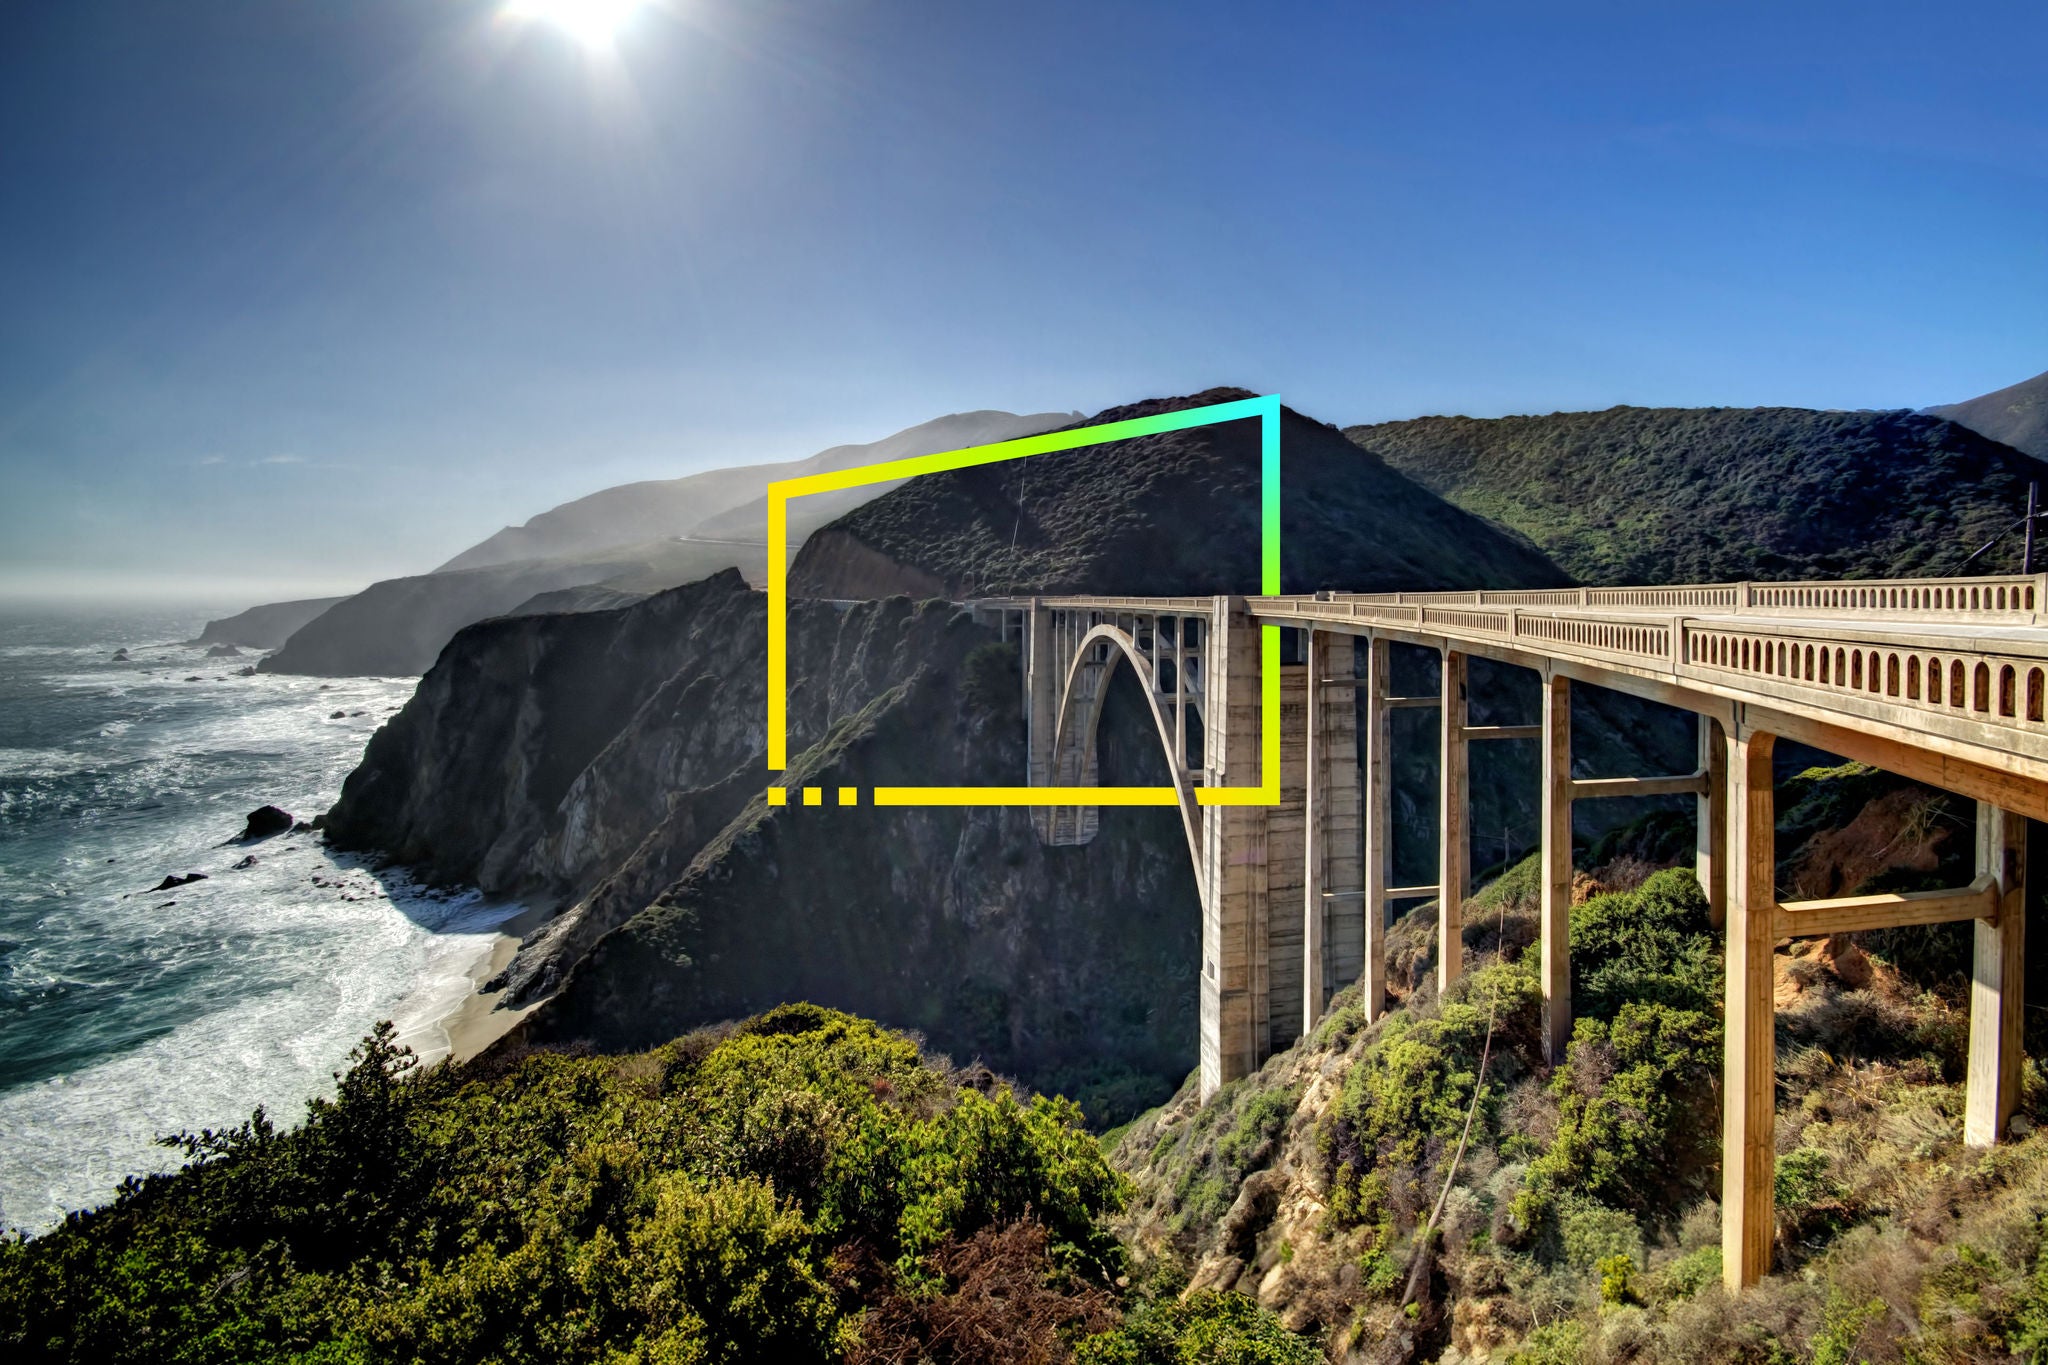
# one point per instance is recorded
(2006, 599)
(1938, 655)
(1948, 680)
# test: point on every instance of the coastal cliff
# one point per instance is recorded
(612, 762)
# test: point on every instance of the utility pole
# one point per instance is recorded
(2033, 508)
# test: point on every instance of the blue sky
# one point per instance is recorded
(299, 294)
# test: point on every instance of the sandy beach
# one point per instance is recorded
(477, 1022)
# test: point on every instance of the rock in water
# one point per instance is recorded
(120, 656)
(265, 821)
(246, 863)
(223, 652)
(172, 881)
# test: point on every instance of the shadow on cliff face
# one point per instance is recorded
(611, 762)
(1072, 968)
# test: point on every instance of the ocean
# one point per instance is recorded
(128, 1013)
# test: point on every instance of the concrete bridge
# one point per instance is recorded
(1939, 680)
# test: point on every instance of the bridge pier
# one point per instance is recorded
(1377, 799)
(1750, 1051)
(1556, 860)
(1997, 979)
(1454, 852)
(1236, 1019)
(1334, 930)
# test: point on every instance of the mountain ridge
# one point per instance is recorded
(689, 506)
(2016, 415)
(1180, 514)
(1690, 495)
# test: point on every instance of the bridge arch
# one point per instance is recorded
(1079, 718)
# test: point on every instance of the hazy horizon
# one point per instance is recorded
(305, 297)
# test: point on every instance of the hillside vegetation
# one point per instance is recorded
(1693, 495)
(805, 1185)
(1580, 1223)
(801, 1187)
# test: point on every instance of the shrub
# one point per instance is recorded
(1415, 1081)
(1636, 1123)
(1554, 1343)
(1650, 945)
(1689, 1274)
(1206, 1328)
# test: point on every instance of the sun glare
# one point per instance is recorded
(593, 23)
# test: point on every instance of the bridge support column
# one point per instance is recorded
(1044, 665)
(1997, 979)
(1288, 984)
(1379, 827)
(1454, 852)
(1234, 902)
(1333, 917)
(1750, 1051)
(1710, 840)
(1556, 899)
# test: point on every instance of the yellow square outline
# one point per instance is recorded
(1266, 408)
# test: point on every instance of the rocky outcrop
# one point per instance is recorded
(398, 627)
(264, 627)
(466, 783)
(265, 821)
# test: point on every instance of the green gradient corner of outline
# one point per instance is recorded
(1266, 408)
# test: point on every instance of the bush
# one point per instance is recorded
(1650, 945)
(1554, 1343)
(1637, 1119)
(1415, 1082)
(1689, 1274)
(1204, 1329)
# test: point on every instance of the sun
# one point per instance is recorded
(593, 23)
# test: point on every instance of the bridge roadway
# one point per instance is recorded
(1940, 680)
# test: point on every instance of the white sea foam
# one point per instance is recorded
(132, 1013)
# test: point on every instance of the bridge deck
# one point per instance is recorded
(1956, 669)
(1943, 680)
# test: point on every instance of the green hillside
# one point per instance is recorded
(1689, 495)
(801, 1187)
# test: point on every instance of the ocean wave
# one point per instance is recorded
(125, 1012)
